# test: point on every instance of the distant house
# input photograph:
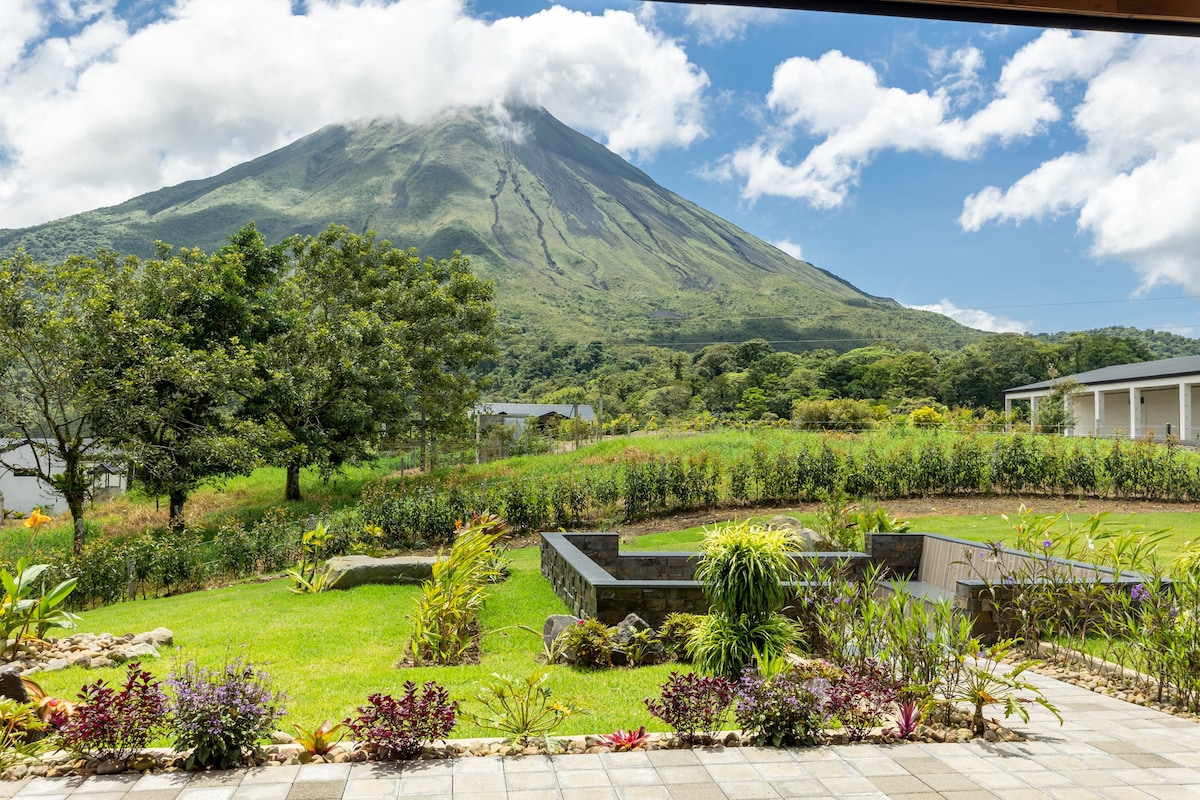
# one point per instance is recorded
(523, 417)
(19, 493)
(1150, 398)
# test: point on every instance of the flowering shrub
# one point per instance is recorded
(111, 724)
(391, 728)
(520, 708)
(221, 715)
(781, 706)
(859, 698)
(695, 706)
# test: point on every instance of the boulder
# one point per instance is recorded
(159, 637)
(808, 537)
(626, 628)
(554, 626)
(12, 686)
(346, 572)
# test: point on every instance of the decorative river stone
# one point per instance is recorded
(346, 572)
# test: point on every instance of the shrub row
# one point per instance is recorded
(916, 465)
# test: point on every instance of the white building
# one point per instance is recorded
(1151, 398)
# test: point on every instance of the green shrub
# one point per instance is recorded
(676, 634)
(588, 643)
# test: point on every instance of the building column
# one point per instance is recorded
(1135, 410)
(1185, 411)
(1098, 407)
(1033, 407)
(1007, 413)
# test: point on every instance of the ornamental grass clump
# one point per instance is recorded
(391, 728)
(111, 724)
(744, 570)
(222, 715)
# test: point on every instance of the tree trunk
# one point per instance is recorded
(292, 490)
(80, 537)
(177, 498)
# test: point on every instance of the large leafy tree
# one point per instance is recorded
(45, 431)
(368, 338)
(170, 362)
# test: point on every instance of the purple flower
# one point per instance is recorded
(1139, 593)
(1047, 544)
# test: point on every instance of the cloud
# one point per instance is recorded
(717, 24)
(789, 247)
(975, 318)
(1132, 185)
(841, 102)
(110, 110)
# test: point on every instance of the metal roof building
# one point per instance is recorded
(1149, 398)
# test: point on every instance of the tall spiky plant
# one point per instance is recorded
(744, 570)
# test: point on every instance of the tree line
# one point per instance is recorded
(194, 366)
(753, 381)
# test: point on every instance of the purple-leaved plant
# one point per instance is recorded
(695, 706)
(111, 724)
(782, 709)
(860, 696)
(399, 728)
(222, 715)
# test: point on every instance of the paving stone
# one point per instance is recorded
(642, 793)
(591, 793)
(695, 791)
(673, 758)
(262, 791)
(104, 784)
(49, 786)
(323, 772)
(421, 784)
(363, 788)
(317, 790)
(270, 775)
(749, 790)
(530, 781)
(694, 774)
(535, 794)
(193, 792)
(950, 783)
(528, 764)
(635, 776)
(159, 794)
(582, 779)
(163, 780)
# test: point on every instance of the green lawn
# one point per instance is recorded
(330, 651)
(1184, 527)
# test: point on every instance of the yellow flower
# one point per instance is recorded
(36, 519)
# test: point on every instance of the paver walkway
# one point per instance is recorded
(1106, 749)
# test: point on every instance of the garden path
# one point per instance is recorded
(1107, 749)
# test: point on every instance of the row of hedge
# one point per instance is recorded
(919, 466)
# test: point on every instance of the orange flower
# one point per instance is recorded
(36, 519)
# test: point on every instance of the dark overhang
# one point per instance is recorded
(1171, 17)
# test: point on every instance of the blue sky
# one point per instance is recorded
(1016, 178)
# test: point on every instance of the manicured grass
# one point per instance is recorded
(330, 651)
(1183, 527)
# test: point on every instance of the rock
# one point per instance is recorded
(282, 737)
(159, 637)
(554, 626)
(55, 664)
(806, 536)
(341, 758)
(78, 659)
(101, 663)
(733, 740)
(346, 572)
(142, 762)
(111, 767)
(626, 628)
(12, 686)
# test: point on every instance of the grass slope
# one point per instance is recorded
(330, 651)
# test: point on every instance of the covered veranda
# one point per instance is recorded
(1150, 399)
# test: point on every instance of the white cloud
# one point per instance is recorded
(789, 247)
(1132, 186)
(976, 318)
(842, 102)
(716, 24)
(106, 113)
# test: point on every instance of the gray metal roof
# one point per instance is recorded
(1163, 368)
(535, 410)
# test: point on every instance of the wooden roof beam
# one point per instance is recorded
(1167, 17)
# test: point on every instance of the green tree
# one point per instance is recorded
(44, 357)
(1056, 411)
(170, 362)
(368, 339)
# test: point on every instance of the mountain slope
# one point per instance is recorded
(579, 242)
